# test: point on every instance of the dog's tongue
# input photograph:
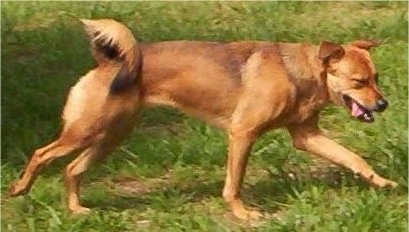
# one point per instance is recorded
(356, 110)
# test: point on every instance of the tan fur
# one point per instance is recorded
(245, 88)
(114, 32)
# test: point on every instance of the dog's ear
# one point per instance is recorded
(330, 50)
(366, 44)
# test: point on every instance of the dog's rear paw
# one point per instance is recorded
(79, 210)
(247, 215)
(16, 190)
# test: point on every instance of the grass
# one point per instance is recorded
(168, 176)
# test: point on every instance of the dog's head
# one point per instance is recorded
(352, 79)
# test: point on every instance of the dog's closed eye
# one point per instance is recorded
(361, 81)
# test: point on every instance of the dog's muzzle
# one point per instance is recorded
(362, 113)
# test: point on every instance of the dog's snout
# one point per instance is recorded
(382, 104)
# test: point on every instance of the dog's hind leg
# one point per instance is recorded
(115, 133)
(41, 158)
(74, 172)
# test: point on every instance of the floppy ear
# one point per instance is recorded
(330, 50)
(366, 44)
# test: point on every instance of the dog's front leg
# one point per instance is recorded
(240, 142)
(308, 137)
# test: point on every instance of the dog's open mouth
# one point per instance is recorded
(358, 111)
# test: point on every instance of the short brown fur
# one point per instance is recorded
(245, 88)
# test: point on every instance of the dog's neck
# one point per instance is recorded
(305, 70)
(301, 60)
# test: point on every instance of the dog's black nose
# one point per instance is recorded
(382, 104)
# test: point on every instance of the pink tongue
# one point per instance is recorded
(356, 111)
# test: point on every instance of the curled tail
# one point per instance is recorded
(112, 42)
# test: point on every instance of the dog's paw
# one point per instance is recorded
(383, 183)
(254, 215)
(391, 184)
(79, 210)
(247, 215)
(15, 189)
(240, 212)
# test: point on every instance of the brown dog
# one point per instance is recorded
(245, 88)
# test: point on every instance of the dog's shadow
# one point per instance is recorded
(131, 194)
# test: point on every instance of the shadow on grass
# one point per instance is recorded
(167, 196)
(267, 194)
(119, 203)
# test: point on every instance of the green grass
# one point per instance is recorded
(169, 175)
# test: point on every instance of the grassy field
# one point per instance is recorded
(169, 175)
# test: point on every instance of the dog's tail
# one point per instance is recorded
(113, 43)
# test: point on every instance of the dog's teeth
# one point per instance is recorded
(368, 117)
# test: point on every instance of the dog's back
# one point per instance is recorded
(204, 79)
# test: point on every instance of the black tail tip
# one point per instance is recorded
(122, 81)
(106, 47)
